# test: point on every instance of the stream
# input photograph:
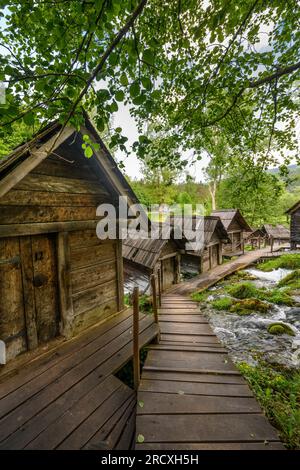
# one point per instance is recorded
(247, 335)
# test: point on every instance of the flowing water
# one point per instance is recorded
(247, 335)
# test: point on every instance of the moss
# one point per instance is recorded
(292, 280)
(277, 391)
(246, 306)
(242, 290)
(280, 329)
(247, 290)
(223, 303)
(242, 275)
(287, 261)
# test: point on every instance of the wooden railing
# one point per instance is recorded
(156, 300)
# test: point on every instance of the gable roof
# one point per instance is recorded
(276, 231)
(209, 224)
(146, 251)
(228, 216)
(19, 163)
(293, 208)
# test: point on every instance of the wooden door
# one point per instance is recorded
(168, 272)
(40, 287)
(214, 256)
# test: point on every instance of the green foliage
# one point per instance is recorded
(8, 141)
(200, 296)
(223, 303)
(287, 261)
(247, 290)
(292, 280)
(193, 71)
(278, 392)
(280, 329)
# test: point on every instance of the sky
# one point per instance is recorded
(122, 118)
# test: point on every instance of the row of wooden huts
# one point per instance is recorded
(56, 276)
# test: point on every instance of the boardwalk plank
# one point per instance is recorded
(205, 428)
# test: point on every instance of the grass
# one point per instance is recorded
(247, 290)
(200, 296)
(223, 303)
(288, 261)
(278, 392)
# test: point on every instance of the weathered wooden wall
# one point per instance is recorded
(84, 274)
(295, 228)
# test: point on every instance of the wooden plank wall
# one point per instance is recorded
(90, 280)
(295, 228)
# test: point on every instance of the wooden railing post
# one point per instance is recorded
(159, 287)
(136, 347)
(154, 300)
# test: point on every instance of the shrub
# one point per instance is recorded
(288, 261)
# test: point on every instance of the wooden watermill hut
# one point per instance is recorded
(146, 256)
(276, 233)
(212, 237)
(56, 276)
(294, 213)
(236, 226)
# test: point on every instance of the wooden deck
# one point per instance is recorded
(191, 396)
(69, 398)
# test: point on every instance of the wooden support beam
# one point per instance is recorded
(159, 286)
(64, 283)
(154, 301)
(136, 347)
(120, 280)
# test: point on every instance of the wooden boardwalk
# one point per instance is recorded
(191, 396)
(207, 279)
(69, 398)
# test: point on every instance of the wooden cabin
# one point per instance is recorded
(212, 235)
(294, 213)
(56, 276)
(256, 239)
(236, 226)
(145, 256)
(276, 233)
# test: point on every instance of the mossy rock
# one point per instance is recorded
(242, 290)
(247, 306)
(292, 280)
(280, 329)
(287, 261)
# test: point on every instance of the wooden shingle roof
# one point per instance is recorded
(228, 216)
(292, 209)
(276, 231)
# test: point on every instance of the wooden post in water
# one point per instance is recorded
(259, 242)
(136, 347)
(159, 287)
(154, 301)
(272, 244)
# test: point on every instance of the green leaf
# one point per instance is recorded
(88, 152)
(29, 119)
(134, 89)
(140, 438)
(148, 56)
(146, 83)
(119, 130)
(114, 107)
(119, 95)
(141, 404)
(124, 79)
